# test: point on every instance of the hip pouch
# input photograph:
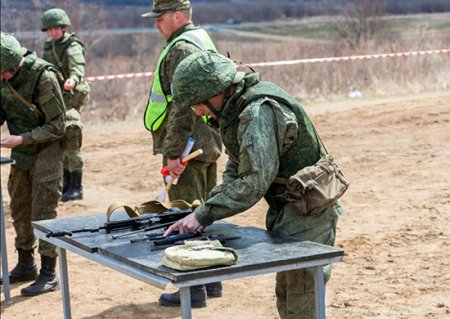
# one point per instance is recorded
(73, 138)
(316, 187)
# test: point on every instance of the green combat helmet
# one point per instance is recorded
(11, 52)
(54, 18)
(203, 75)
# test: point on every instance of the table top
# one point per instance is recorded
(257, 249)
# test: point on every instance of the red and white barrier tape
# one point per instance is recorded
(119, 76)
(288, 62)
(352, 58)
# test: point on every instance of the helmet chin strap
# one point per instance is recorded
(211, 107)
(14, 70)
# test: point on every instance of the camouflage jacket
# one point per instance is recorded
(181, 123)
(266, 134)
(68, 54)
(37, 83)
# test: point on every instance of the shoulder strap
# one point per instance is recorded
(70, 40)
(31, 106)
(58, 59)
(149, 207)
(131, 212)
(249, 97)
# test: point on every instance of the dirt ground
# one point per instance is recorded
(395, 233)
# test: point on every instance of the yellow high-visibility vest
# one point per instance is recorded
(158, 101)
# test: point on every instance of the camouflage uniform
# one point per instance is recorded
(180, 123)
(35, 180)
(68, 55)
(70, 52)
(257, 117)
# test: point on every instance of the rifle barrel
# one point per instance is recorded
(155, 220)
(153, 227)
(173, 238)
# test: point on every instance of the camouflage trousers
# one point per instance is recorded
(295, 289)
(196, 182)
(73, 160)
(34, 196)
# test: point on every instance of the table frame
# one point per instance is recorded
(4, 253)
(161, 282)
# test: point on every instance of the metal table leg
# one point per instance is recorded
(5, 272)
(64, 282)
(319, 292)
(185, 299)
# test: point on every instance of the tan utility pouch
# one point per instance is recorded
(73, 138)
(316, 187)
(198, 254)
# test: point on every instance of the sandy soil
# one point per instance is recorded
(396, 154)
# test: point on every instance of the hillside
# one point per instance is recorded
(27, 12)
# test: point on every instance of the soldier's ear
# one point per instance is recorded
(180, 16)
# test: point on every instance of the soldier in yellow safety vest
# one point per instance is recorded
(172, 126)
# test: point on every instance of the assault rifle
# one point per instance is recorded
(158, 238)
(161, 242)
(145, 222)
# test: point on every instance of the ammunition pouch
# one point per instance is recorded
(73, 137)
(316, 187)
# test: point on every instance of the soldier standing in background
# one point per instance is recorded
(67, 53)
(171, 126)
(254, 117)
(33, 107)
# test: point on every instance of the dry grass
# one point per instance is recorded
(126, 99)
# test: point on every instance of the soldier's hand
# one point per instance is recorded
(11, 141)
(69, 84)
(188, 224)
(175, 167)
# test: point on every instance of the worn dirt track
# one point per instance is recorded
(394, 151)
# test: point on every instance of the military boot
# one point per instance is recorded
(67, 181)
(25, 269)
(67, 184)
(214, 289)
(76, 190)
(198, 298)
(46, 281)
